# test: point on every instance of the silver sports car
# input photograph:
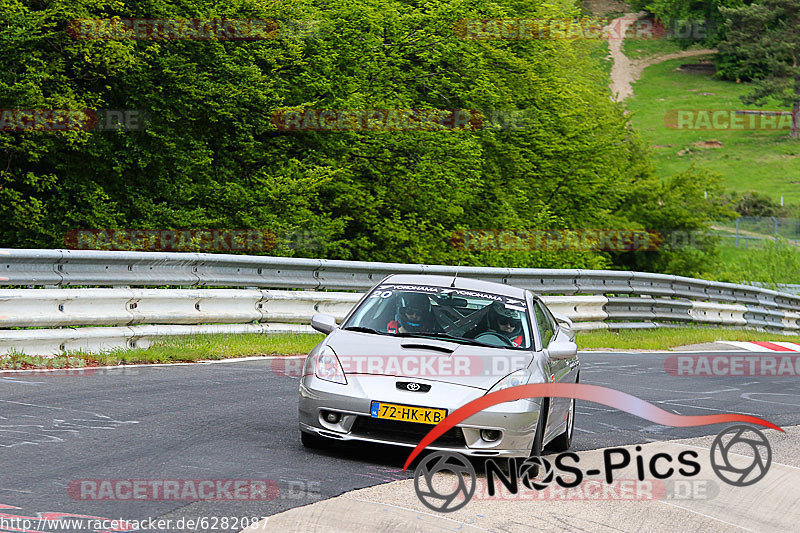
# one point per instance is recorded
(416, 348)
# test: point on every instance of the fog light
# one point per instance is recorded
(331, 417)
(490, 435)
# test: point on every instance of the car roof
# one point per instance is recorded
(460, 283)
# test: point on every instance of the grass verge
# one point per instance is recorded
(662, 339)
(214, 347)
(176, 350)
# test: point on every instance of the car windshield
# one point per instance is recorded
(460, 315)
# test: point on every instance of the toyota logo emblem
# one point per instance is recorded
(413, 386)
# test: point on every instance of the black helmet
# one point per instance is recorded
(413, 311)
(500, 313)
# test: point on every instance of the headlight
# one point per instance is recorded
(326, 366)
(520, 377)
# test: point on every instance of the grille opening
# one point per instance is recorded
(405, 432)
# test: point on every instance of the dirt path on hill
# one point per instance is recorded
(625, 71)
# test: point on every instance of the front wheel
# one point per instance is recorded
(563, 442)
(538, 438)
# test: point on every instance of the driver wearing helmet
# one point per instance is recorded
(506, 322)
(414, 315)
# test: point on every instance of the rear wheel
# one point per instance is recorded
(312, 441)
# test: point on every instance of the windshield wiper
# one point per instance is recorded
(363, 329)
(445, 336)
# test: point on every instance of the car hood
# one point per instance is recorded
(425, 359)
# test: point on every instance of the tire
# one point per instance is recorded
(538, 439)
(314, 442)
(563, 442)
(537, 448)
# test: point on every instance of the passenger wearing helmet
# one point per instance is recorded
(506, 322)
(414, 314)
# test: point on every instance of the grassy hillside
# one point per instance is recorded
(764, 161)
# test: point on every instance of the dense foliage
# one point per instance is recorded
(209, 156)
(765, 38)
(699, 20)
(747, 32)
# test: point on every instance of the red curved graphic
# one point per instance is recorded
(590, 393)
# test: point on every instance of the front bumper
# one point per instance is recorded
(515, 420)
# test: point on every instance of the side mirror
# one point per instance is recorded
(565, 326)
(562, 319)
(562, 350)
(323, 323)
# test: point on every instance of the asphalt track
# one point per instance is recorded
(238, 420)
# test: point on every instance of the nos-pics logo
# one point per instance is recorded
(446, 481)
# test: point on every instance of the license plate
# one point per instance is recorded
(407, 413)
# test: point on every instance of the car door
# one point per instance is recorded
(559, 370)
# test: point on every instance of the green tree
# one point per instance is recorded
(209, 155)
(696, 20)
(766, 36)
(681, 209)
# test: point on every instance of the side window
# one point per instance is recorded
(545, 326)
(551, 318)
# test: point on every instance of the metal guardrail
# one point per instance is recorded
(71, 268)
(782, 287)
(133, 314)
(128, 307)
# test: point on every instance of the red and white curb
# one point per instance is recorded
(764, 346)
